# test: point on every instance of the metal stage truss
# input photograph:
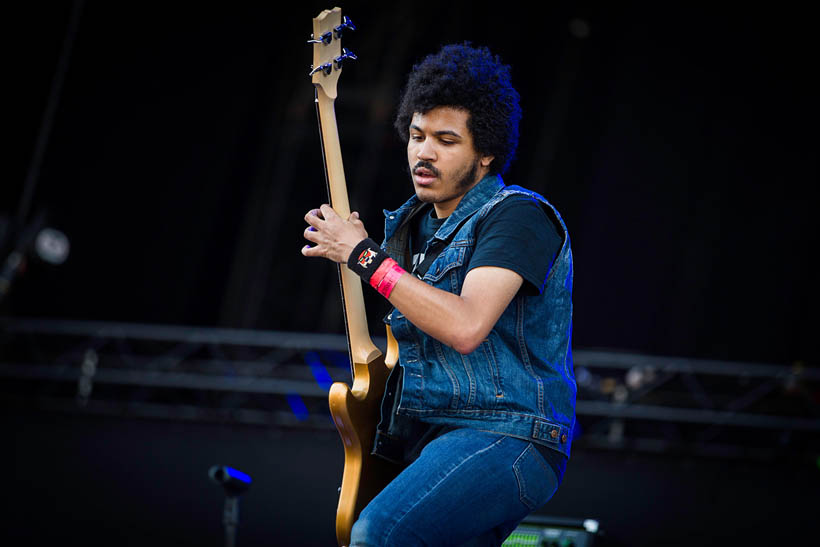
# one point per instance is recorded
(626, 401)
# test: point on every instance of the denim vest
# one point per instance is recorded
(519, 381)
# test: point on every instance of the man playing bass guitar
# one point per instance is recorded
(481, 408)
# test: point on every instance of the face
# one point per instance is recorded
(442, 159)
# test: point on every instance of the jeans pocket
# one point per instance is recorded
(536, 480)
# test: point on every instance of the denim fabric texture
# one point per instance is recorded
(468, 487)
(520, 380)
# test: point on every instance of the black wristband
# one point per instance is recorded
(366, 258)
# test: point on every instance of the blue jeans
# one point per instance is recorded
(467, 487)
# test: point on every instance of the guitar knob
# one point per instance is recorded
(346, 24)
(346, 54)
(325, 39)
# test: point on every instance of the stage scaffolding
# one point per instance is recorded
(626, 401)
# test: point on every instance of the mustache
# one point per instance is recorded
(426, 165)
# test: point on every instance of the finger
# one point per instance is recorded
(315, 213)
(355, 220)
(314, 251)
(328, 212)
(312, 234)
(314, 218)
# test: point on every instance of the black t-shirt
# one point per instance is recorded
(516, 234)
(425, 226)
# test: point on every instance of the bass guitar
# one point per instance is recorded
(355, 409)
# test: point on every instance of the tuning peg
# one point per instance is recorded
(325, 38)
(327, 68)
(346, 54)
(346, 24)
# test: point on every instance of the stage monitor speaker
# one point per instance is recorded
(544, 531)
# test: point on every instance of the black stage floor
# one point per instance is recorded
(121, 481)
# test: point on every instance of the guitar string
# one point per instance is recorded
(330, 199)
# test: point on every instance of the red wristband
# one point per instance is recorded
(388, 282)
(380, 272)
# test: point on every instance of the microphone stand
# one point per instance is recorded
(234, 483)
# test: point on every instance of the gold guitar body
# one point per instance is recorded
(356, 414)
(356, 409)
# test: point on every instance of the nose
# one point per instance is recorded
(426, 150)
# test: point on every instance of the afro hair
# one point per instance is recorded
(473, 79)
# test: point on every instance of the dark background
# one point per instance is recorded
(679, 145)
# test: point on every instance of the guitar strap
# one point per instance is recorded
(437, 248)
(420, 270)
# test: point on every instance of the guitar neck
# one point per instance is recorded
(361, 346)
(337, 185)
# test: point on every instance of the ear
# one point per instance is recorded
(485, 161)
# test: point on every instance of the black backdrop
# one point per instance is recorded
(679, 145)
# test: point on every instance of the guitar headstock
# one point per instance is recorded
(328, 53)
